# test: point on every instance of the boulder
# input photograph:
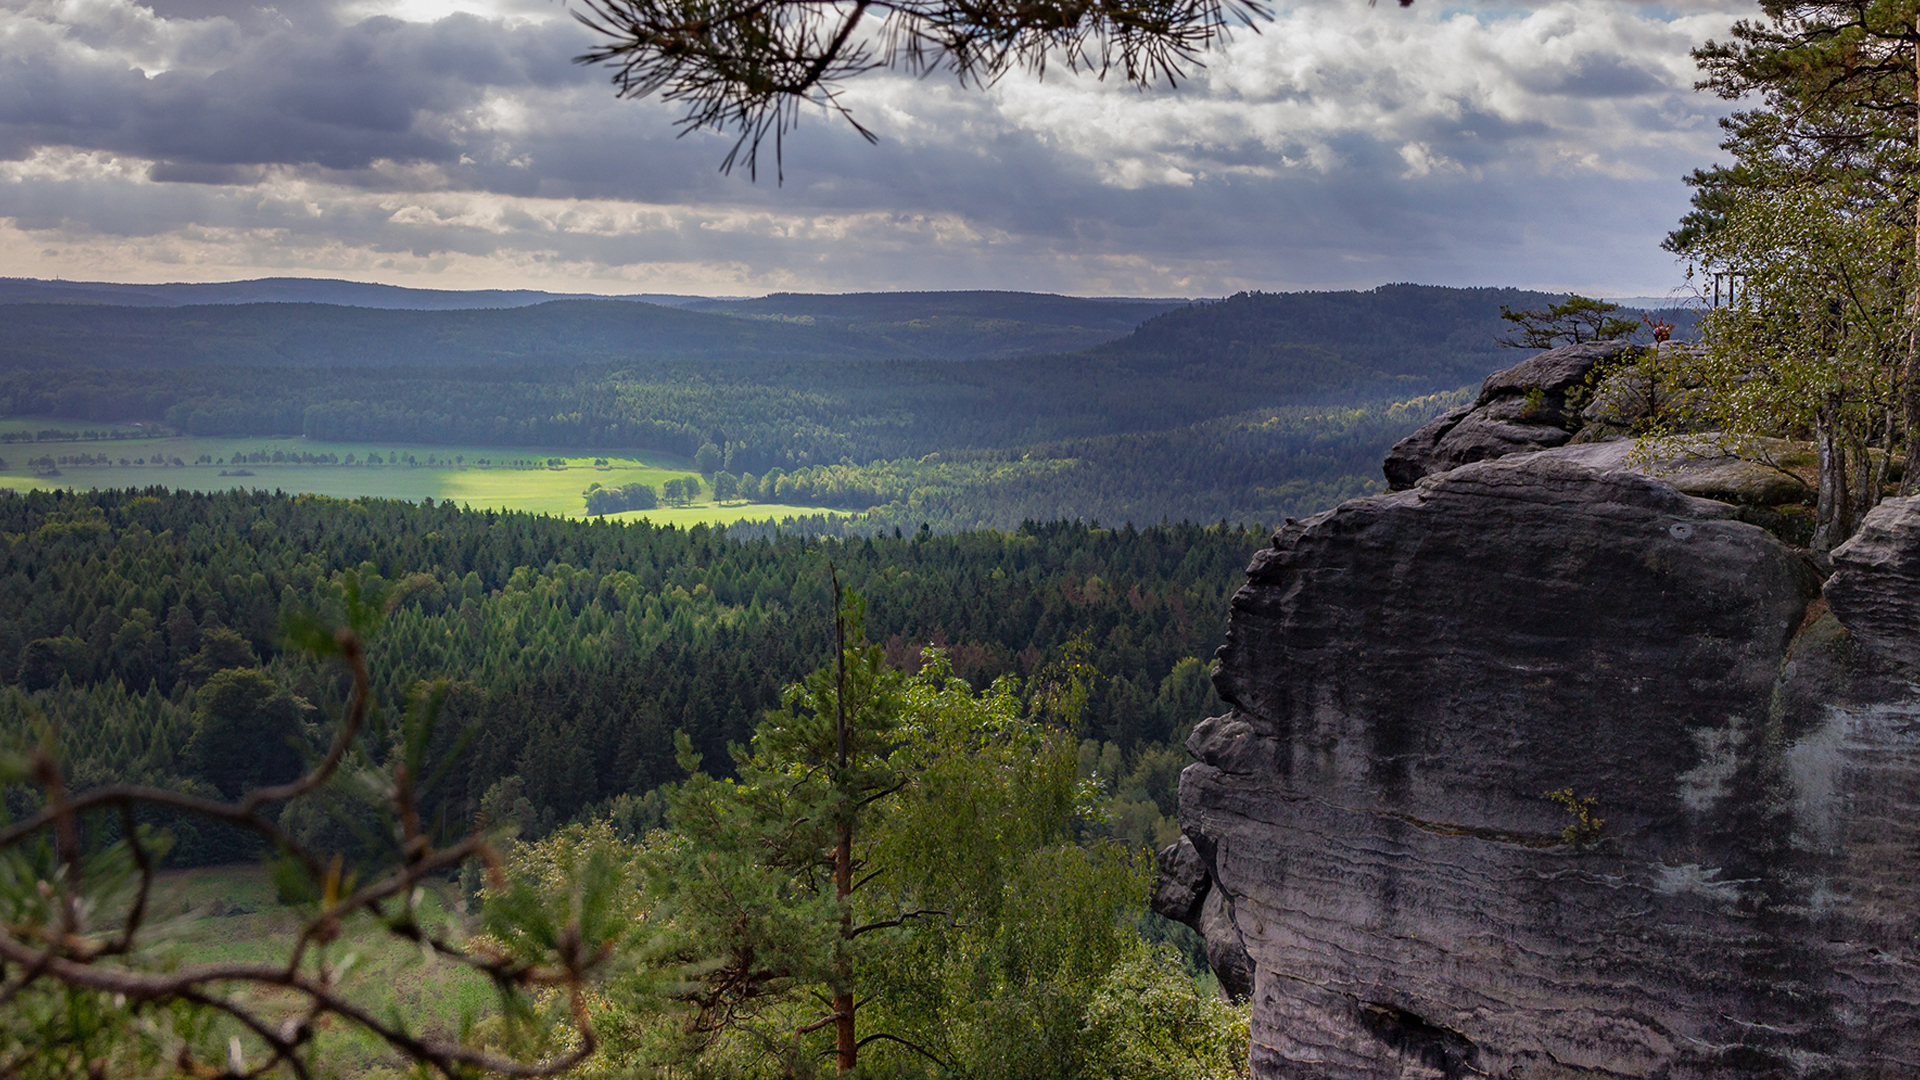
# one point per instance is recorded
(1182, 892)
(1875, 587)
(1544, 768)
(1180, 885)
(1532, 405)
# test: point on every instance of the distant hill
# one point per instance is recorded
(1253, 407)
(66, 330)
(1335, 340)
(561, 333)
(1395, 338)
(959, 325)
(364, 294)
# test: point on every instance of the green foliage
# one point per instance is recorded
(1151, 1024)
(573, 649)
(680, 491)
(248, 732)
(1585, 828)
(983, 940)
(1816, 341)
(1569, 322)
(614, 500)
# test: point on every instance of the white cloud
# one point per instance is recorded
(452, 141)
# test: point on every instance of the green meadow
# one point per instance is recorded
(489, 477)
(230, 914)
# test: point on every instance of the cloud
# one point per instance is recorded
(455, 142)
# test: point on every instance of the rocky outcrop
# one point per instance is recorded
(1544, 768)
(1183, 892)
(1534, 405)
(1701, 466)
(1875, 588)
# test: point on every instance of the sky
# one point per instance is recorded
(456, 144)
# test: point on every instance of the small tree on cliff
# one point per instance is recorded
(1570, 322)
(1838, 86)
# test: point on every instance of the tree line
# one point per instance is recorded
(575, 650)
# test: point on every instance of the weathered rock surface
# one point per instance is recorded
(1700, 467)
(1529, 406)
(1875, 587)
(1413, 676)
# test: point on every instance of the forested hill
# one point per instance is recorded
(365, 294)
(65, 329)
(1253, 408)
(560, 334)
(1404, 337)
(959, 325)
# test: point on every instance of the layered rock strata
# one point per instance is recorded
(1542, 768)
(1533, 405)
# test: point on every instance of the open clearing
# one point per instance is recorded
(229, 914)
(444, 473)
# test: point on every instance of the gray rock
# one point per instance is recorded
(1703, 467)
(1875, 588)
(1410, 458)
(1181, 883)
(1414, 676)
(1183, 892)
(1529, 406)
(1226, 950)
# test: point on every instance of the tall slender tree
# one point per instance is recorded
(1839, 87)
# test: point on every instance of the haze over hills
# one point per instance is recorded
(907, 406)
(960, 325)
(179, 324)
(284, 290)
(554, 333)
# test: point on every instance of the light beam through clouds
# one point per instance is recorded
(453, 144)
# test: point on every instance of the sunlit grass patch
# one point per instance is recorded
(531, 479)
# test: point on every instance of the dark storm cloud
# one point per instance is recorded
(340, 96)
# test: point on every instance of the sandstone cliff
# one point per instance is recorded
(1543, 768)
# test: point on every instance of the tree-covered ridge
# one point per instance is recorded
(1262, 466)
(1336, 340)
(1194, 364)
(957, 325)
(253, 336)
(576, 649)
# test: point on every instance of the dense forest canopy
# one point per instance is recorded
(576, 650)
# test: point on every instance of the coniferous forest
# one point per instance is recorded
(632, 778)
(149, 626)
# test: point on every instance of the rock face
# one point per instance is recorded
(1530, 406)
(1542, 768)
(1697, 467)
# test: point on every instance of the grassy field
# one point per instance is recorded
(229, 914)
(438, 472)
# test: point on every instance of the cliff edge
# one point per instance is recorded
(1543, 768)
